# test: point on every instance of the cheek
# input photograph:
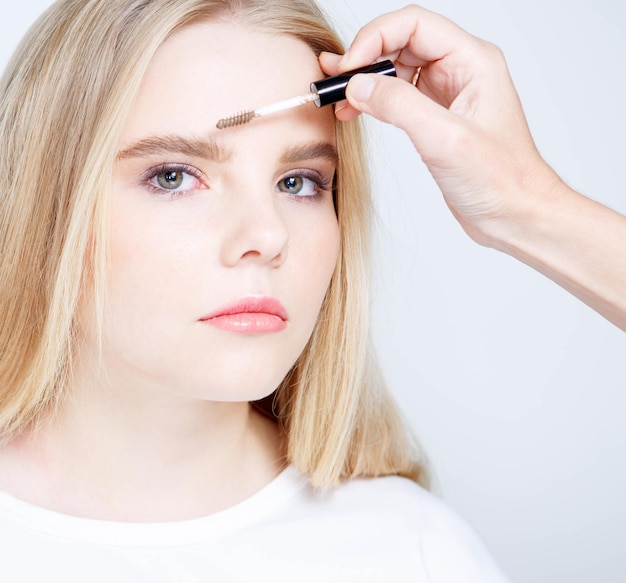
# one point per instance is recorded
(150, 248)
(329, 248)
(317, 259)
(332, 247)
(133, 256)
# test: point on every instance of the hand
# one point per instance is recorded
(463, 115)
(455, 99)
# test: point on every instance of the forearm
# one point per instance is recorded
(575, 241)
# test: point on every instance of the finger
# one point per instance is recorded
(344, 111)
(397, 102)
(418, 36)
(329, 63)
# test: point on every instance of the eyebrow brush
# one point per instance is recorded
(323, 92)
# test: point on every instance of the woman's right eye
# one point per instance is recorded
(175, 180)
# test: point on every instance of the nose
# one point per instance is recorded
(254, 231)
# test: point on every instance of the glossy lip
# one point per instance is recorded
(249, 315)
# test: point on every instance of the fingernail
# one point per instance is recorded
(341, 105)
(361, 87)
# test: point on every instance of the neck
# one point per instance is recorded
(142, 455)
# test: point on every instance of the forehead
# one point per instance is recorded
(212, 70)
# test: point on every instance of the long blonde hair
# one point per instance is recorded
(64, 101)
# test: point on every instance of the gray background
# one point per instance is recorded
(515, 389)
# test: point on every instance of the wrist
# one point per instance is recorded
(530, 215)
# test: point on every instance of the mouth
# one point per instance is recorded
(249, 315)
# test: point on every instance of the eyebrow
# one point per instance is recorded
(209, 149)
(310, 151)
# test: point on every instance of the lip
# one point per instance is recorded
(250, 315)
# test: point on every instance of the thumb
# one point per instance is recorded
(393, 100)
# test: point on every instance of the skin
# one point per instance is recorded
(464, 112)
(160, 427)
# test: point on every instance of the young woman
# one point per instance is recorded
(187, 386)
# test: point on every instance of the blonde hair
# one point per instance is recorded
(64, 100)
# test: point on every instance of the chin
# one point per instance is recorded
(234, 390)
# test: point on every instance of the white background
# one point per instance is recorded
(515, 389)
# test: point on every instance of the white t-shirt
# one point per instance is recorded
(383, 529)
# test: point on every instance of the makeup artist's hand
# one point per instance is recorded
(464, 119)
(455, 100)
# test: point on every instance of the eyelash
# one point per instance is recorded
(322, 183)
(152, 173)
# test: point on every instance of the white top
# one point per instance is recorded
(383, 529)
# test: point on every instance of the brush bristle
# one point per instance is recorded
(235, 120)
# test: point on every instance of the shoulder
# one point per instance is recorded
(390, 495)
(394, 512)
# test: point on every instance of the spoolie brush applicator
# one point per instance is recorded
(323, 92)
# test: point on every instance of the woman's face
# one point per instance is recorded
(222, 242)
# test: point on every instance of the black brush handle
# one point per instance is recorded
(333, 89)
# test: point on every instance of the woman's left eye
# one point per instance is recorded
(299, 186)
